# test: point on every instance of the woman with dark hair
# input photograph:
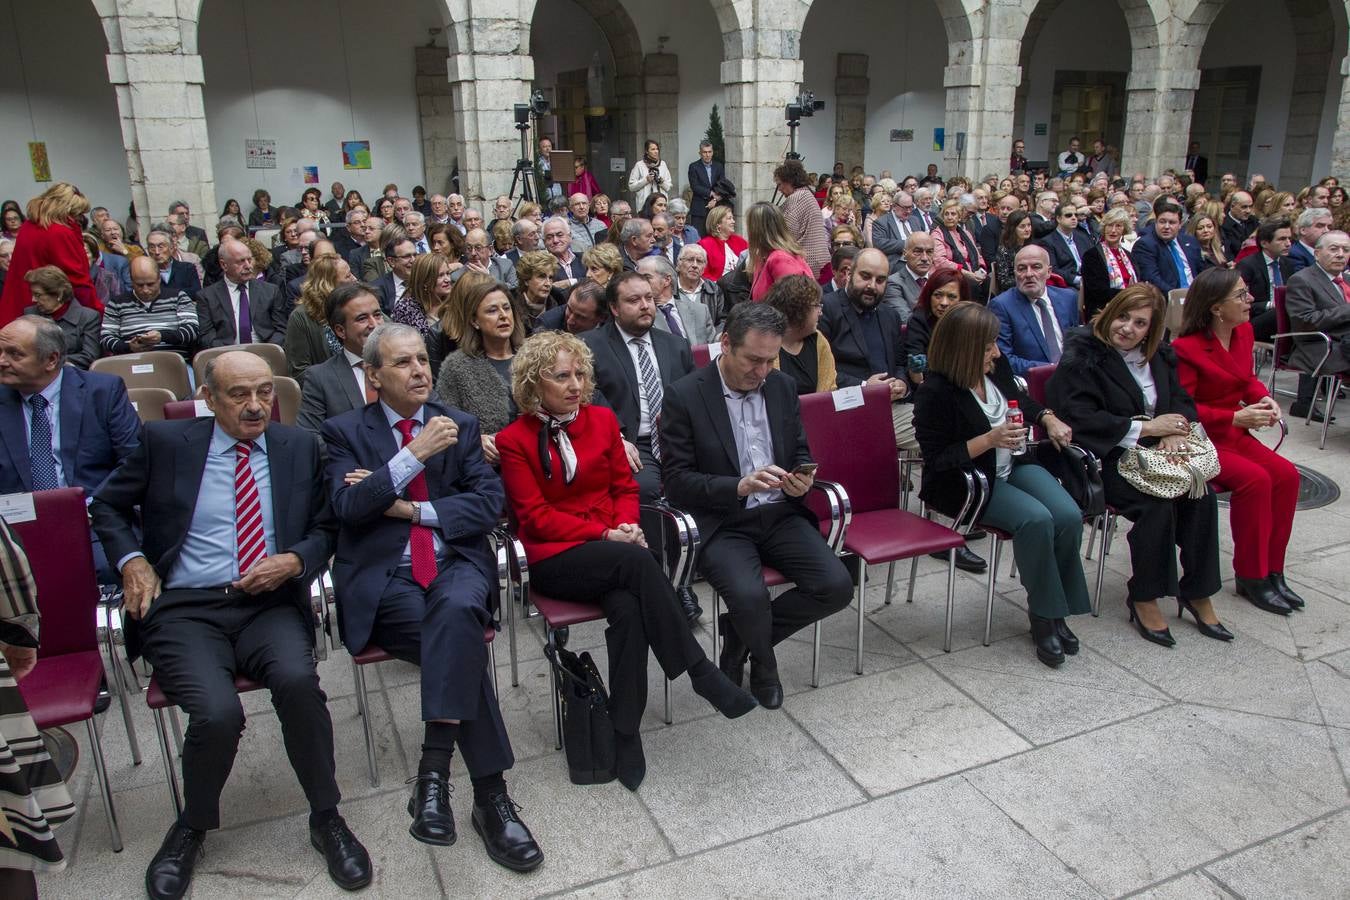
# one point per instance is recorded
(311, 205)
(805, 355)
(351, 201)
(1118, 387)
(961, 421)
(11, 219)
(231, 208)
(49, 236)
(447, 241)
(656, 202)
(262, 213)
(1214, 358)
(944, 289)
(477, 377)
(1017, 231)
(650, 175)
(567, 478)
(384, 208)
(804, 219)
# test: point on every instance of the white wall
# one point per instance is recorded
(74, 107)
(1066, 43)
(906, 57)
(299, 95)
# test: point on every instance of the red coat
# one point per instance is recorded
(57, 245)
(1218, 380)
(553, 516)
(717, 255)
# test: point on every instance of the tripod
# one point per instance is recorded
(793, 125)
(524, 175)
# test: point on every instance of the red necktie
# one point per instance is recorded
(423, 549)
(1340, 283)
(248, 523)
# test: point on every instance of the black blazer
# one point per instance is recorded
(163, 475)
(466, 494)
(1234, 234)
(988, 238)
(215, 314)
(1097, 290)
(842, 327)
(182, 280)
(1061, 260)
(1253, 270)
(1093, 392)
(616, 379)
(698, 449)
(945, 417)
(384, 289)
(701, 189)
(328, 389)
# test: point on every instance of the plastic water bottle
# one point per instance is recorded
(1014, 418)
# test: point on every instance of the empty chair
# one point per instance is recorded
(272, 353)
(153, 368)
(149, 402)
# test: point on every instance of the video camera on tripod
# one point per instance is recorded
(804, 104)
(524, 174)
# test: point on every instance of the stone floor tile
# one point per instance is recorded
(940, 840)
(919, 625)
(1139, 801)
(1332, 688)
(898, 728)
(711, 781)
(1192, 886)
(1307, 862)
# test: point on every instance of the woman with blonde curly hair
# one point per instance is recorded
(534, 274)
(576, 504)
(602, 263)
(309, 340)
(49, 236)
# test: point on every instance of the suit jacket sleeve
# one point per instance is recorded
(477, 507)
(936, 427)
(311, 415)
(124, 425)
(87, 336)
(1077, 398)
(687, 487)
(1145, 258)
(1019, 364)
(315, 548)
(206, 325)
(361, 503)
(885, 237)
(1218, 420)
(113, 509)
(1301, 302)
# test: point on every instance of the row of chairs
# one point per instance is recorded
(168, 370)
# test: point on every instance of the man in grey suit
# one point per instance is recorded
(239, 309)
(338, 384)
(906, 282)
(680, 317)
(890, 232)
(478, 257)
(1315, 299)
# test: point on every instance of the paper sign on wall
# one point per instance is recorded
(260, 153)
(618, 164)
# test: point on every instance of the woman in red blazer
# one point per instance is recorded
(723, 245)
(49, 236)
(1214, 355)
(576, 504)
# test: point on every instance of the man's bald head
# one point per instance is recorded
(236, 260)
(239, 390)
(1031, 267)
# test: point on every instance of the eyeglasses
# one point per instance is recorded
(406, 256)
(475, 246)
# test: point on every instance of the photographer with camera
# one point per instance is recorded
(650, 175)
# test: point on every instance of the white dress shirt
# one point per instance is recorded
(358, 370)
(644, 344)
(232, 290)
(1143, 375)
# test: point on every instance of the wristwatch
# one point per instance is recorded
(416, 513)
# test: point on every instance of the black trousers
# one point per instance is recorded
(1160, 528)
(777, 535)
(449, 618)
(642, 611)
(648, 479)
(198, 640)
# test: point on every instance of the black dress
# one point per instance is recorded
(804, 367)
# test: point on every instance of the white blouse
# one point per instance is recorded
(995, 409)
(1142, 373)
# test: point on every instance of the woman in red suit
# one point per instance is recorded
(1214, 355)
(576, 503)
(49, 236)
(723, 245)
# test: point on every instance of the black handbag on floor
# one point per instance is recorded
(1078, 471)
(588, 733)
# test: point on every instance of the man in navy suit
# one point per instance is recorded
(1165, 256)
(1311, 225)
(415, 501)
(60, 426)
(1033, 317)
(177, 277)
(704, 172)
(1067, 245)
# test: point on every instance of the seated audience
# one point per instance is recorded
(600, 210)
(1117, 387)
(1067, 245)
(961, 419)
(54, 299)
(149, 317)
(841, 268)
(478, 257)
(427, 290)
(309, 339)
(1201, 227)
(534, 274)
(1266, 270)
(476, 378)
(602, 263)
(413, 564)
(583, 310)
(917, 264)
(692, 285)
(805, 354)
(684, 232)
(338, 383)
(722, 244)
(1033, 316)
(567, 476)
(584, 229)
(239, 309)
(773, 252)
(682, 318)
(1165, 256)
(397, 260)
(1316, 300)
(558, 242)
(1016, 234)
(258, 625)
(954, 245)
(1108, 267)
(107, 284)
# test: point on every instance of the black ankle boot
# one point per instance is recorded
(1068, 641)
(713, 685)
(1048, 648)
(630, 763)
(1286, 593)
(1263, 595)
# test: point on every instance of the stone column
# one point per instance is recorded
(490, 71)
(850, 108)
(435, 109)
(1158, 105)
(1340, 142)
(1314, 35)
(981, 87)
(661, 94)
(761, 73)
(156, 74)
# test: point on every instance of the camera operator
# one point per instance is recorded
(649, 175)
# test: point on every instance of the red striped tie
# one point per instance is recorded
(423, 548)
(248, 522)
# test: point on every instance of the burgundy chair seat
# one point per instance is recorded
(996, 532)
(373, 654)
(155, 699)
(561, 613)
(883, 535)
(63, 689)
(772, 577)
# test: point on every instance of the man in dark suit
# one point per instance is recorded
(415, 501)
(703, 174)
(1316, 300)
(1043, 216)
(664, 240)
(992, 231)
(627, 350)
(1164, 255)
(1033, 317)
(1267, 270)
(239, 309)
(636, 241)
(891, 231)
(338, 384)
(906, 283)
(236, 526)
(192, 232)
(335, 202)
(371, 235)
(1067, 245)
(1197, 164)
(1238, 223)
(177, 277)
(353, 237)
(60, 426)
(570, 271)
(1311, 224)
(733, 444)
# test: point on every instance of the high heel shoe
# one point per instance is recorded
(1216, 630)
(1286, 593)
(1263, 595)
(1162, 636)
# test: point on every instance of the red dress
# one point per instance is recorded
(717, 253)
(57, 245)
(1264, 483)
(553, 516)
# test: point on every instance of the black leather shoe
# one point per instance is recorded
(429, 806)
(1297, 411)
(170, 872)
(713, 685)
(1068, 641)
(766, 687)
(1162, 637)
(348, 862)
(1263, 595)
(1215, 630)
(1048, 648)
(507, 841)
(1294, 601)
(734, 653)
(689, 603)
(967, 560)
